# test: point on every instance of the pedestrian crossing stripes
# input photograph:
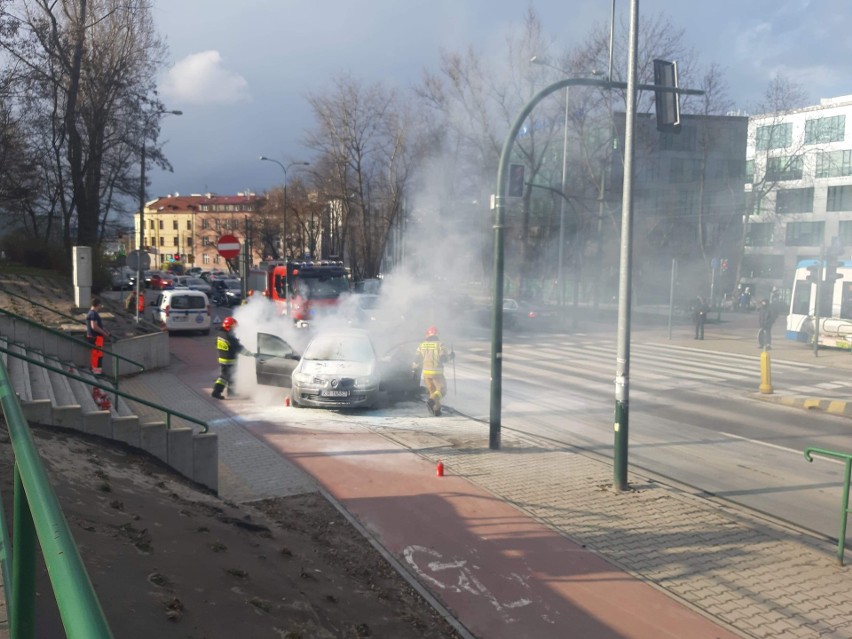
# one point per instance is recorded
(653, 366)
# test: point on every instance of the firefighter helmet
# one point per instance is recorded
(431, 331)
(228, 323)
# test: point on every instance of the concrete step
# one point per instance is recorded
(49, 397)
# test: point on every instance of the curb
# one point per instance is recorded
(838, 407)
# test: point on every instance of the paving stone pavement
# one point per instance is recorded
(762, 579)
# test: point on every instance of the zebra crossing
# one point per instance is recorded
(587, 362)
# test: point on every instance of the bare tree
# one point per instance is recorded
(363, 167)
(81, 67)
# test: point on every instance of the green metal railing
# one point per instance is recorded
(113, 391)
(844, 507)
(116, 358)
(37, 517)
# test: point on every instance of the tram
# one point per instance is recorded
(834, 311)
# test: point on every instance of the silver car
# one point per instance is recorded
(339, 369)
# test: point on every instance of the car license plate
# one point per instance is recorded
(179, 318)
(334, 393)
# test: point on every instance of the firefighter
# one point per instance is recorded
(228, 347)
(431, 355)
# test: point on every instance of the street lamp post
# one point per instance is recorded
(141, 236)
(284, 247)
(561, 259)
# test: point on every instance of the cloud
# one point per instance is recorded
(202, 78)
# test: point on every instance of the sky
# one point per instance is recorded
(240, 71)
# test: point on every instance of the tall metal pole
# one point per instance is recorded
(284, 242)
(561, 272)
(141, 235)
(622, 375)
(499, 251)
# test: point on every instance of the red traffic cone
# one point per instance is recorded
(439, 469)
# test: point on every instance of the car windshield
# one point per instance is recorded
(195, 281)
(234, 285)
(340, 348)
(316, 288)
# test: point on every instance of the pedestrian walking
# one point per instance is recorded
(766, 316)
(699, 316)
(431, 356)
(228, 346)
(95, 335)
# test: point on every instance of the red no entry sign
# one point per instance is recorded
(228, 246)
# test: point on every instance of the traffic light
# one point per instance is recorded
(667, 103)
(516, 180)
(831, 273)
(813, 274)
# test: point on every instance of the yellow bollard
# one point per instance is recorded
(765, 373)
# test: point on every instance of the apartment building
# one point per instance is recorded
(799, 191)
(187, 228)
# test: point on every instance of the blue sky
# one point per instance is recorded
(239, 71)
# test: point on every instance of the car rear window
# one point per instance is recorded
(188, 302)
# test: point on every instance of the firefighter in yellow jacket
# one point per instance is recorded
(228, 347)
(432, 354)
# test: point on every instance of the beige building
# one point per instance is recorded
(187, 228)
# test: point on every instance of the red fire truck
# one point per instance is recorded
(315, 287)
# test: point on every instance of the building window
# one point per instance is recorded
(174, 225)
(216, 259)
(218, 224)
(205, 224)
(846, 233)
(785, 167)
(749, 171)
(794, 200)
(161, 224)
(205, 259)
(839, 198)
(685, 140)
(774, 136)
(189, 241)
(822, 130)
(151, 225)
(189, 225)
(162, 241)
(759, 234)
(805, 233)
(833, 164)
(175, 241)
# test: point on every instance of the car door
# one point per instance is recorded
(395, 366)
(275, 361)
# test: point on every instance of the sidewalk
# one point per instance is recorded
(530, 541)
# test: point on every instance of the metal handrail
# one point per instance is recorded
(114, 391)
(844, 507)
(76, 340)
(29, 301)
(37, 515)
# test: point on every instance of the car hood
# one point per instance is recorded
(325, 367)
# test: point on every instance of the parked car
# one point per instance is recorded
(339, 369)
(181, 310)
(122, 280)
(518, 314)
(193, 283)
(226, 292)
(159, 280)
